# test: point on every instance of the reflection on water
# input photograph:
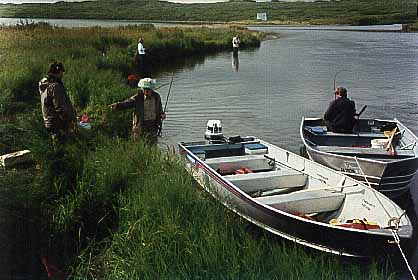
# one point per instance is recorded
(235, 61)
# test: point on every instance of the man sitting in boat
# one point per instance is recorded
(340, 115)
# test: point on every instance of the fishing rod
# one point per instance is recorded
(160, 128)
(335, 76)
(163, 85)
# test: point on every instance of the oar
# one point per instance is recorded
(160, 128)
(392, 134)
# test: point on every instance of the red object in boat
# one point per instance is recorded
(243, 170)
(359, 224)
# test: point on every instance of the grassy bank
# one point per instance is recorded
(105, 207)
(168, 229)
(354, 12)
(412, 27)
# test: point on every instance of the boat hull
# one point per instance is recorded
(320, 236)
(387, 172)
(391, 178)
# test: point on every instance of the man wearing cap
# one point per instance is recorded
(340, 116)
(148, 112)
(57, 111)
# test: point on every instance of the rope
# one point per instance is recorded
(362, 173)
(375, 194)
(398, 241)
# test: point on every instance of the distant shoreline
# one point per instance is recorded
(116, 23)
(235, 12)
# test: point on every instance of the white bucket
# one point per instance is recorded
(379, 143)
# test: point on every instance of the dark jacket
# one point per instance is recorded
(137, 101)
(340, 115)
(57, 111)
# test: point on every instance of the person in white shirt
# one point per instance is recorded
(235, 44)
(141, 58)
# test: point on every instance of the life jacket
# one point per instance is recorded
(361, 224)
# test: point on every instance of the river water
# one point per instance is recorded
(266, 91)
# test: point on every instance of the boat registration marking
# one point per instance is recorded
(350, 167)
(368, 205)
(322, 177)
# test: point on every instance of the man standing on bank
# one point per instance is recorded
(148, 113)
(58, 113)
(340, 116)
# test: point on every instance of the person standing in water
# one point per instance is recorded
(235, 44)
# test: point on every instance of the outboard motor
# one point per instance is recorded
(214, 130)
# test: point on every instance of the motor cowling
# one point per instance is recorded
(214, 130)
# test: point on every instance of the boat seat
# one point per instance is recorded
(270, 180)
(325, 133)
(364, 151)
(228, 165)
(359, 134)
(305, 201)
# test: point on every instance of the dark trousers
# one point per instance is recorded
(142, 71)
(59, 136)
(148, 131)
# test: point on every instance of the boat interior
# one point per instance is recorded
(369, 139)
(249, 167)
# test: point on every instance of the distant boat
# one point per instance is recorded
(296, 198)
(366, 154)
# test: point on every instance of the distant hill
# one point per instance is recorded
(354, 12)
